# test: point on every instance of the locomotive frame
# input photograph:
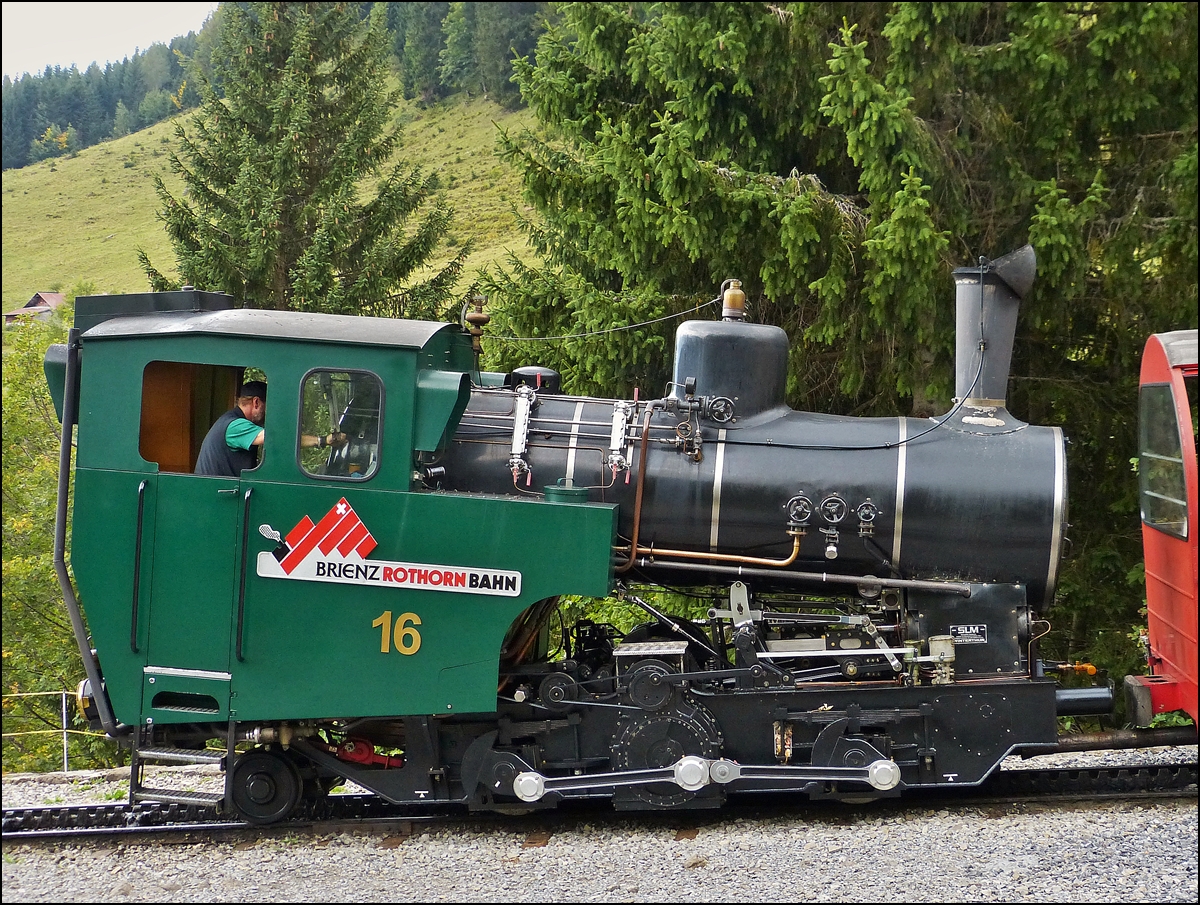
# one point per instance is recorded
(382, 612)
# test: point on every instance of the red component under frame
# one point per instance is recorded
(360, 751)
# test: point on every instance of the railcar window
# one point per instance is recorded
(1161, 481)
(346, 406)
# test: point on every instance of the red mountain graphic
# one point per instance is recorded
(341, 528)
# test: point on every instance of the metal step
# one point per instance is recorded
(181, 755)
(178, 796)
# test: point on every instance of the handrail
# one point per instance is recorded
(70, 414)
(65, 731)
(137, 568)
(242, 577)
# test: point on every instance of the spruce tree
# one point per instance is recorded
(423, 42)
(124, 121)
(502, 32)
(276, 209)
(457, 66)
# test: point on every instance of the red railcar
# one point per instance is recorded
(1167, 494)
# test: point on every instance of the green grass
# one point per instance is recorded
(83, 219)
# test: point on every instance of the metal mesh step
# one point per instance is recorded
(178, 796)
(181, 755)
(176, 708)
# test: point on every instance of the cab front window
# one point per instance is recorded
(344, 409)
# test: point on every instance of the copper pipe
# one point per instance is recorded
(727, 557)
(641, 483)
(634, 549)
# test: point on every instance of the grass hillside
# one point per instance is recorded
(83, 218)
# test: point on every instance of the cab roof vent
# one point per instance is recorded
(95, 309)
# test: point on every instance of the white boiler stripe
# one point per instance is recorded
(574, 443)
(716, 503)
(901, 465)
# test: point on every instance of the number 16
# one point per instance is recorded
(408, 639)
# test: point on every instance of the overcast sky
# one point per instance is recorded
(37, 35)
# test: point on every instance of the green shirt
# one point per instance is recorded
(241, 433)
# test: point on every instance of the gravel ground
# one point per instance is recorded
(887, 852)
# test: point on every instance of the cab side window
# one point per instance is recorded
(347, 408)
(180, 402)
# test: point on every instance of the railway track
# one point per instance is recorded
(339, 812)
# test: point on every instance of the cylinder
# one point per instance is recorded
(944, 503)
(1093, 701)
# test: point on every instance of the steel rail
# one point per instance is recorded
(1045, 785)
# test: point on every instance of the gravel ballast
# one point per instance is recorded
(901, 852)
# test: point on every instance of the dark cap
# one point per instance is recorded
(253, 388)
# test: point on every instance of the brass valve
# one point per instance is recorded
(733, 301)
(478, 320)
(1078, 667)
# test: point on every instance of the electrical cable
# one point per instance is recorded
(550, 339)
(983, 265)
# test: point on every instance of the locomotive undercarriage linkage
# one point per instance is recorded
(679, 714)
(692, 773)
(847, 698)
(694, 687)
(673, 757)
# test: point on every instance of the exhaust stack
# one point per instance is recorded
(987, 298)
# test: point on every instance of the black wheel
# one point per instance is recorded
(647, 741)
(266, 786)
(648, 687)
(558, 692)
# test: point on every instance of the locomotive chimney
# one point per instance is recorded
(987, 298)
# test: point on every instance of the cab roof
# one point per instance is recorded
(283, 325)
(1180, 347)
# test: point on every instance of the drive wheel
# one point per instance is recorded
(647, 741)
(266, 786)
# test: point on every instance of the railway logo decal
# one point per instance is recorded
(340, 529)
(335, 550)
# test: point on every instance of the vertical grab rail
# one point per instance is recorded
(137, 568)
(242, 578)
(70, 417)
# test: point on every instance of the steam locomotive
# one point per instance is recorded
(388, 609)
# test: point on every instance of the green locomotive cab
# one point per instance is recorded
(329, 581)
